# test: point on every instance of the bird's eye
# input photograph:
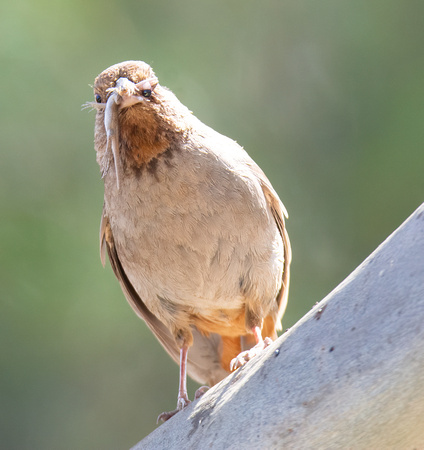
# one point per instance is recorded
(146, 92)
(98, 98)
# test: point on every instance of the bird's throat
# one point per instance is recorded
(143, 136)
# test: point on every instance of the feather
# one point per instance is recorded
(204, 359)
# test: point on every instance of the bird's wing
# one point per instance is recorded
(158, 328)
(279, 212)
(203, 357)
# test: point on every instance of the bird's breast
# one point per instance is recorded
(193, 235)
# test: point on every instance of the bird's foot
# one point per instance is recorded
(200, 392)
(243, 357)
(182, 402)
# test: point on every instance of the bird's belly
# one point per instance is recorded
(223, 322)
(193, 252)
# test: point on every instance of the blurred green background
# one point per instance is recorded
(328, 98)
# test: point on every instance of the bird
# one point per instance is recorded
(193, 229)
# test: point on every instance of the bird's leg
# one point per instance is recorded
(243, 357)
(183, 399)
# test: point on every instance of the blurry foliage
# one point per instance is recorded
(326, 96)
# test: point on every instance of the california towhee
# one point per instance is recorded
(193, 228)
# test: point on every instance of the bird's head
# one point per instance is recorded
(136, 117)
(126, 84)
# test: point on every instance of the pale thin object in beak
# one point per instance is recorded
(112, 131)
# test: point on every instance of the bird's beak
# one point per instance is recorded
(125, 93)
(128, 93)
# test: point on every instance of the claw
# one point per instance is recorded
(182, 402)
(244, 357)
(200, 391)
